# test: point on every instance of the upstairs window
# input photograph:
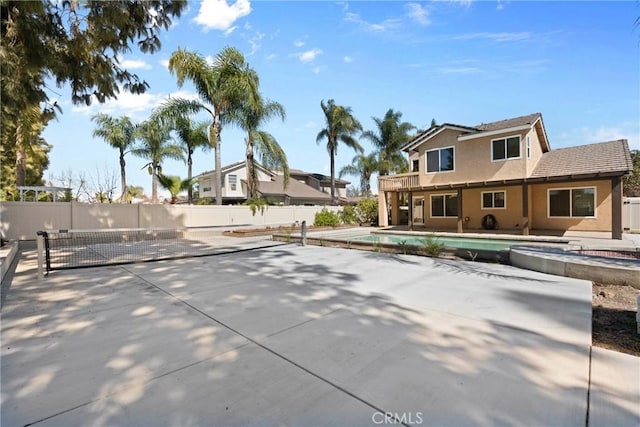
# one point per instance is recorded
(505, 148)
(440, 160)
(528, 147)
(233, 182)
(415, 165)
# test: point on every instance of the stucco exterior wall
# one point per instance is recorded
(508, 218)
(601, 222)
(472, 159)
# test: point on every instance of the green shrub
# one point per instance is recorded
(257, 204)
(366, 211)
(432, 246)
(326, 218)
(348, 215)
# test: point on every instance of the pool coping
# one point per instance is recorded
(545, 254)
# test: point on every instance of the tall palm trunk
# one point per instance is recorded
(21, 165)
(123, 178)
(154, 184)
(218, 160)
(251, 170)
(189, 166)
(333, 175)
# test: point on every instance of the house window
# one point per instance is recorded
(572, 202)
(494, 199)
(505, 148)
(233, 181)
(440, 160)
(415, 164)
(444, 205)
(528, 147)
(206, 189)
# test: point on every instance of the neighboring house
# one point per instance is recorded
(505, 175)
(270, 186)
(320, 182)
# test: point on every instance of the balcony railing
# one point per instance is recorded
(404, 181)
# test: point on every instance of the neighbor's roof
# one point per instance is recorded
(605, 158)
(294, 189)
(234, 166)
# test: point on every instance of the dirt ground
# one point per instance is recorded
(614, 318)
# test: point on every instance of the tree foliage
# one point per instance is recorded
(118, 132)
(362, 166)
(156, 145)
(389, 138)
(75, 43)
(341, 126)
(221, 86)
(631, 184)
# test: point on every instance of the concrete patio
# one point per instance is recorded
(292, 335)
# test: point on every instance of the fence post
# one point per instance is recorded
(40, 242)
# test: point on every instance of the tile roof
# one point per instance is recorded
(508, 123)
(295, 189)
(604, 157)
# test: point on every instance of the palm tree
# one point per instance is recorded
(156, 146)
(390, 137)
(174, 185)
(118, 133)
(251, 115)
(362, 166)
(133, 192)
(191, 135)
(220, 86)
(341, 126)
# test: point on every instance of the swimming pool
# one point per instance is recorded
(449, 242)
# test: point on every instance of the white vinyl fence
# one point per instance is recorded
(631, 214)
(21, 220)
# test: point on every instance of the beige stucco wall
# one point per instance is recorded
(601, 222)
(472, 159)
(509, 218)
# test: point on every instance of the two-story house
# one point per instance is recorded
(505, 175)
(270, 186)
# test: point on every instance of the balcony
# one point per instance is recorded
(402, 182)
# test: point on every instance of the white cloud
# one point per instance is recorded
(419, 14)
(256, 42)
(309, 55)
(386, 25)
(347, 59)
(133, 64)
(230, 30)
(270, 56)
(497, 37)
(590, 135)
(137, 107)
(298, 43)
(316, 70)
(164, 63)
(220, 15)
(127, 104)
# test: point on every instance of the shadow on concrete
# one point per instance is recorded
(268, 337)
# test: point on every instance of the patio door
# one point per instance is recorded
(418, 210)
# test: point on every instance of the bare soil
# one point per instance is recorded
(614, 324)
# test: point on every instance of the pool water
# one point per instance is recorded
(449, 242)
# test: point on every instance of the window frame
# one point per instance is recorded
(528, 147)
(415, 165)
(493, 200)
(426, 161)
(444, 200)
(505, 138)
(232, 185)
(570, 189)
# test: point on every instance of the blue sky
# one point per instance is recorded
(464, 62)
